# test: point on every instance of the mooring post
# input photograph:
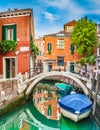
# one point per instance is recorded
(96, 92)
(92, 83)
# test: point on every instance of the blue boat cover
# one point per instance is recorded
(76, 103)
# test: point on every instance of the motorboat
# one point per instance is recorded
(63, 88)
(75, 106)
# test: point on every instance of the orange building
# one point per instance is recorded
(39, 42)
(16, 25)
(59, 53)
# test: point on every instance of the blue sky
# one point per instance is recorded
(51, 15)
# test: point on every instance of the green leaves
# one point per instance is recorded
(34, 48)
(84, 36)
(7, 46)
(90, 60)
(82, 61)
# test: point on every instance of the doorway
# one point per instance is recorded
(50, 67)
(72, 67)
(10, 68)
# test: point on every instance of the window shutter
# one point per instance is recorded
(14, 32)
(3, 32)
(72, 49)
(49, 47)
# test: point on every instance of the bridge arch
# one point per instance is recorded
(47, 74)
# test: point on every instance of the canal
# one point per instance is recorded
(42, 112)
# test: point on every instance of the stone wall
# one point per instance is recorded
(8, 87)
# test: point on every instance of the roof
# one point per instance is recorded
(59, 34)
(71, 23)
(15, 12)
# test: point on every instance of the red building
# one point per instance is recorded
(16, 25)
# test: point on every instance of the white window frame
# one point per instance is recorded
(60, 44)
(9, 34)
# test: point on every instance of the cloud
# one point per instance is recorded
(50, 16)
(54, 3)
(95, 7)
(94, 11)
(70, 8)
(41, 31)
(95, 2)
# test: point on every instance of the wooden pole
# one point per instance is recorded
(92, 83)
(96, 92)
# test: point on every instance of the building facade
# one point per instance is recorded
(58, 50)
(39, 42)
(16, 25)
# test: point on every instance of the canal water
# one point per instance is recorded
(42, 112)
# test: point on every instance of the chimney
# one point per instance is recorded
(9, 9)
(15, 9)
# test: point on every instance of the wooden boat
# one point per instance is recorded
(75, 106)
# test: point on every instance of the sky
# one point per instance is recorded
(51, 15)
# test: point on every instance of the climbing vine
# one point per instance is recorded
(7, 46)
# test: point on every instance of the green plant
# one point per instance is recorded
(7, 46)
(83, 61)
(34, 48)
(49, 51)
(84, 37)
(91, 59)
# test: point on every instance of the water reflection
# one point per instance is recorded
(46, 101)
(43, 114)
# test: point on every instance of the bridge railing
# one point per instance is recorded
(29, 74)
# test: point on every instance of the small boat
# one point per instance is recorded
(63, 88)
(75, 106)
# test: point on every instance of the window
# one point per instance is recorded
(98, 51)
(60, 34)
(49, 111)
(60, 44)
(99, 28)
(60, 61)
(49, 46)
(69, 28)
(9, 32)
(72, 49)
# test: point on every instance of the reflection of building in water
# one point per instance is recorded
(46, 101)
(25, 126)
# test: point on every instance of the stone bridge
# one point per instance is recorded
(66, 77)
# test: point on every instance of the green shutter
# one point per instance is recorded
(3, 32)
(14, 32)
(72, 49)
(7, 68)
(49, 47)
